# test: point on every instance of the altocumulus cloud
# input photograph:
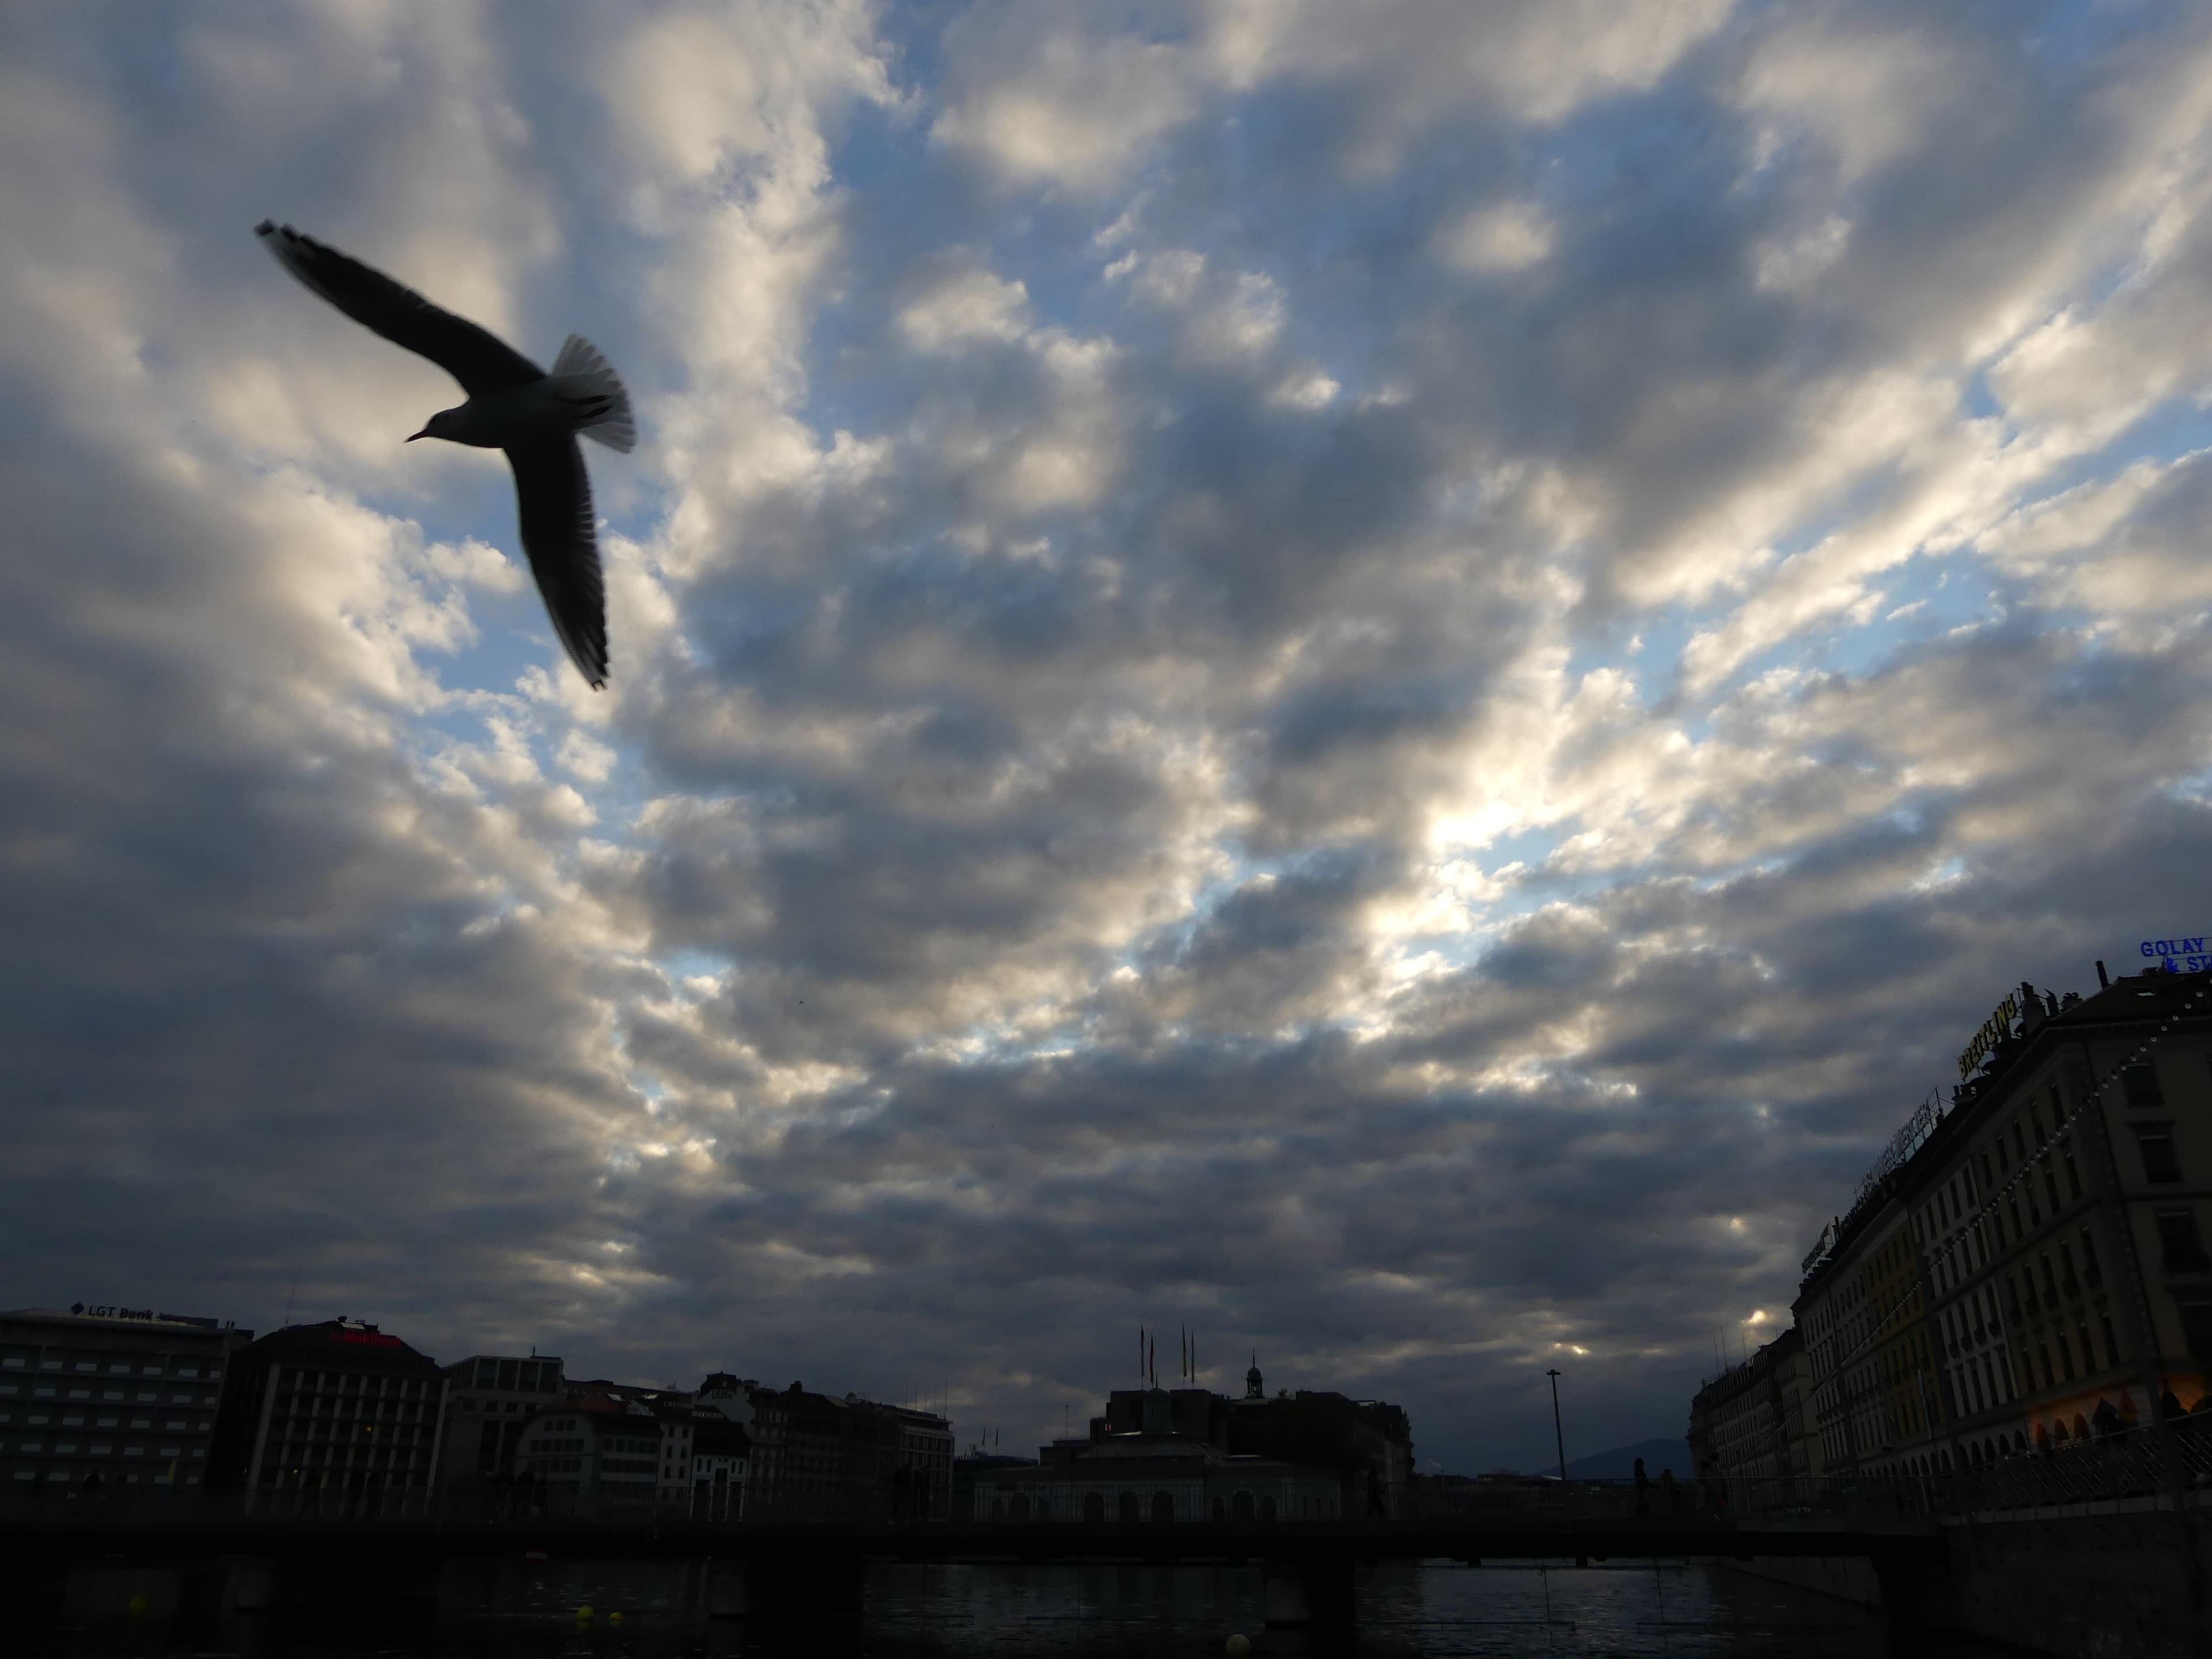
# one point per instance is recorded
(1386, 689)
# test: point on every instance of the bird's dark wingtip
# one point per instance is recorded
(266, 227)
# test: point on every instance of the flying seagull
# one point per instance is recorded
(513, 406)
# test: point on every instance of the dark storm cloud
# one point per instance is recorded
(1387, 683)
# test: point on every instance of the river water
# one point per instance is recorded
(1063, 1613)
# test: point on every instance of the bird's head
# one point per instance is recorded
(446, 423)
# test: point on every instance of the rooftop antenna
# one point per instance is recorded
(289, 1295)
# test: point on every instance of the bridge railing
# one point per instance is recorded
(2127, 1464)
(78, 1505)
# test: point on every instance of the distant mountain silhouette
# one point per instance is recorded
(1620, 1463)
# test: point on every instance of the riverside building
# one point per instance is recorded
(2026, 1267)
(100, 1394)
(1164, 1455)
(618, 1446)
(818, 1457)
(489, 1399)
(335, 1406)
(1750, 1422)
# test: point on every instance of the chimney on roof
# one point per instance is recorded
(2103, 983)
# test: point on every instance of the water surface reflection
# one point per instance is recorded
(1054, 1613)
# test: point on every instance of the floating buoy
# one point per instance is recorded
(1240, 1646)
(614, 1618)
(584, 1614)
(135, 1606)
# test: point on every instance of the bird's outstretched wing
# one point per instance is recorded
(478, 359)
(555, 494)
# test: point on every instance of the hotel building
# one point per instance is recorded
(2026, 1268)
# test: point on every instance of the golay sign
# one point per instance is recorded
(2185, 955)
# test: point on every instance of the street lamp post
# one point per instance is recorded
(1558, 1439)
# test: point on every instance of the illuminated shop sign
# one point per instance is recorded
(1995, 1030)
(2185, 955)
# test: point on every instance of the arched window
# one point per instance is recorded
(1162, 1507)
(1267, 1508)
(1094, 1506)
(998, 1509)
(1018, 1507)
(1129, 1510)
(1244, 1510)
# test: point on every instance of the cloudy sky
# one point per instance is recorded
(1388, 681)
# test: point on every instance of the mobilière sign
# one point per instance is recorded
(1995, 1030)
(2178, 956)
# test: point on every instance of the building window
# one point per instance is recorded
(2092, 1274)
(2179, 1243)
(2196, 1327)
(2156, 1141)
(2140, 1080)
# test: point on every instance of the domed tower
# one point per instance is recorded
(1254, 1389)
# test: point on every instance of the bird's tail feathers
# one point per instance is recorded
(583, 373)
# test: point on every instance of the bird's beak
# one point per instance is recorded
(424, 433)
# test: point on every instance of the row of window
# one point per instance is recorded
(40, 1419)
(518, 1375)
(303, 1379)
(314, 1410)
(103, 1449)
(153, 1364)
(11, 1391)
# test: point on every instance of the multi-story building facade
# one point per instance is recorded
(490, 1398)
(921, 1482)
(720, 1453)
(103, 1395)
(1748, 1427)
(814, 1456)
(1166, 1455)
(1864, 1319)
(623, 1448)
(340, 1405)
(2033, 1273)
